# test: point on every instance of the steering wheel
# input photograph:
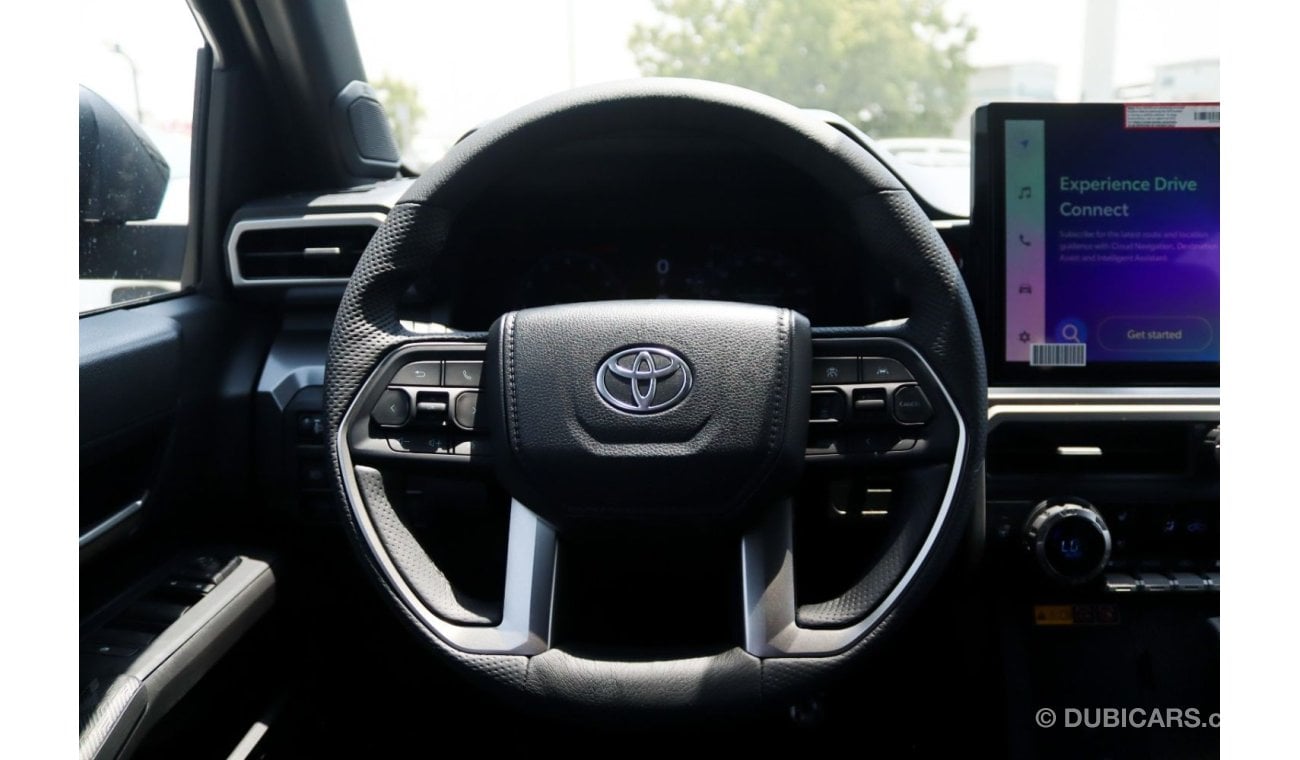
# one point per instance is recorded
(660, 413)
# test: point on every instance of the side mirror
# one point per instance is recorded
(123, 176)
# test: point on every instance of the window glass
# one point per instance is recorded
(136, 71)
(909, 72)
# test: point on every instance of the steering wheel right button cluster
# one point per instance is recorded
(878, 404)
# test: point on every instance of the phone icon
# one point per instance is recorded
(1024, 242)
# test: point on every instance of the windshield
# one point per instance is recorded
(908, 73)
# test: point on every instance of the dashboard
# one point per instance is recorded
(1102, 491)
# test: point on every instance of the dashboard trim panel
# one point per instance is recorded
(1089, 404)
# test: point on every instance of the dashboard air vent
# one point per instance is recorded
(1097, 448)
(316, 249)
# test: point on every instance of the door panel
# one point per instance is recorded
(165, 407)
(129, 363)
(165, 410)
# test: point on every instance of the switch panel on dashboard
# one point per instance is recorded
(1138, 512)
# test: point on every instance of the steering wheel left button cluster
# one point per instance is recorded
(431, 407)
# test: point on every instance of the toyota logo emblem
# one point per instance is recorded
(643, 380)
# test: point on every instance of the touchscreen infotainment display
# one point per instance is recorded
(1107, 222)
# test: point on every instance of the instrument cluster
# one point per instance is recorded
(806, 276)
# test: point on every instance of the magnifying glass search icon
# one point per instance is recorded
(1070, 332)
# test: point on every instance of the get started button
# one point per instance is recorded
(1182, 334)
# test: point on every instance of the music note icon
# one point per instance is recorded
(1025, 192)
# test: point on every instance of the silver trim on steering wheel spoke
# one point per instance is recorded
(530, 583)
(767, 569)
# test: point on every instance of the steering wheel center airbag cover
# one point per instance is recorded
(648, 409)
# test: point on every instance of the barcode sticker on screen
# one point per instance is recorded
(1058, 355)
(1171, 116)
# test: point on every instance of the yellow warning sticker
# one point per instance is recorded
(1053, 614)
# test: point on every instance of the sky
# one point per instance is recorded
(163, 50)
(475, 60)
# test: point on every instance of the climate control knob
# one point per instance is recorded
(1069, 539)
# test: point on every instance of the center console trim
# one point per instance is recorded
(1087, 404)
